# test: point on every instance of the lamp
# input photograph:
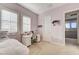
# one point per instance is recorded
(55, 22)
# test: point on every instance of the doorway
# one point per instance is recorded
(71, 28)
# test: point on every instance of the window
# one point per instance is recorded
(67, 25)
(8, 21)
(71, 24)
(26, 24)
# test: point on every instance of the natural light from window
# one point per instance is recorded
(73, 25)
(26, 24)
(8, 21)
(70, 25)
(67, 25)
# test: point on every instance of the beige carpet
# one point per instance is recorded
(45, 48)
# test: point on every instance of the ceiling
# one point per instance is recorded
(40, 7)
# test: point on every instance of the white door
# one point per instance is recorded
(47, 25)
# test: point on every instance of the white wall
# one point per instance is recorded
(56, 33)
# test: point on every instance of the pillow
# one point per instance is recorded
(3, 34)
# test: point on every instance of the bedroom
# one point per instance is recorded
(11, 21)
(35, 29)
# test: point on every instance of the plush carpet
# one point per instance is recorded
(46, 48)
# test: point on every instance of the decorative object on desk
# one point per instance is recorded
(55, 22)
(39, 26)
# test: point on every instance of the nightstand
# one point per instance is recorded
(26, 40)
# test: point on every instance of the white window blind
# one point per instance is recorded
(26, 24)
(8, 21)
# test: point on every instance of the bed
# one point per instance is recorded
(12, 47)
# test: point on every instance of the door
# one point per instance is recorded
(47, 25)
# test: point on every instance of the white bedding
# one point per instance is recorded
(12, 47)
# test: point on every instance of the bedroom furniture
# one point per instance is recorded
(35, 38)
(3, 34)
(38, 37)
(26, 40)
(11, 46)
(30, 38)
